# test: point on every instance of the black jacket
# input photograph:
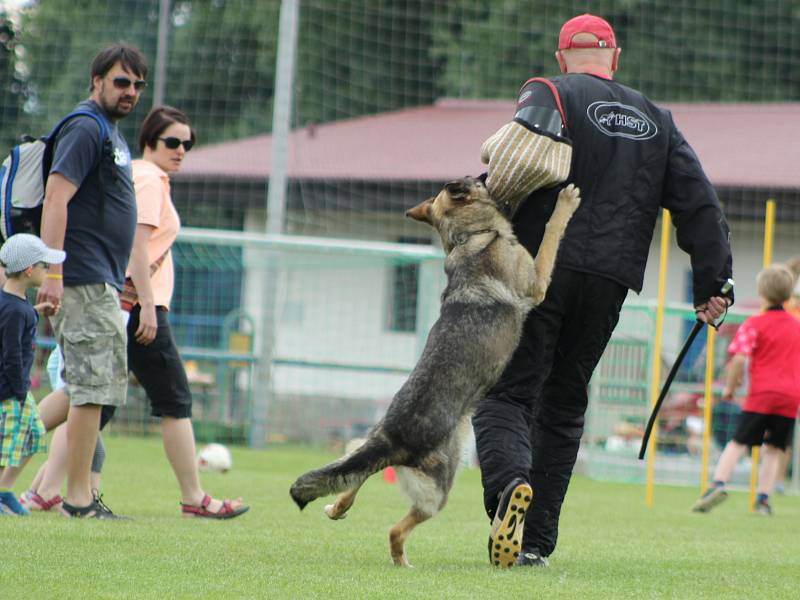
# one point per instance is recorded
(629, 160)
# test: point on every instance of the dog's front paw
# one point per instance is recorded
(330, 510)
(570, 198)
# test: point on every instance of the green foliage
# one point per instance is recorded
(359, 57)
(365, 56)
(14, 87)
(610, 545)
(61, 37)
(222, 66)
(707, 50)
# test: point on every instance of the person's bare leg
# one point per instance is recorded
(37, 480)
(770, 464)
(8, 475)
(178, 438)
(82, 424)
(95, 479)
(53, 409)
(57, 458)
(783, 467)
(727, 461)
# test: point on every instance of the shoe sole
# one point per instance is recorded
(706, 503)
(505, 540)
(213, 516)
(763, 511)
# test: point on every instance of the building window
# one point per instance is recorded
(403, 292)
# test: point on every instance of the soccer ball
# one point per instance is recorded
(215, 457)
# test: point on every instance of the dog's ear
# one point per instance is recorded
(422, 211)
(458, 189)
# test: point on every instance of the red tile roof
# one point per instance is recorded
(749, 145)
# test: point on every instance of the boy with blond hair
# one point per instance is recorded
(771, 341)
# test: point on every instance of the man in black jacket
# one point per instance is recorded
(629, 160)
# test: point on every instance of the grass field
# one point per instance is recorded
(611, 545)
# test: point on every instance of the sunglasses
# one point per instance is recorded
(172, 143)
(123, 83)
(44, 265)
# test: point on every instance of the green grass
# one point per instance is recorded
(611, 545)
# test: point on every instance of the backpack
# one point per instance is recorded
(24, 173)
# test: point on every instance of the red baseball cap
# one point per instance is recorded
(587, 23)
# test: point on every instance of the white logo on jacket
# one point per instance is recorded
(620, 120)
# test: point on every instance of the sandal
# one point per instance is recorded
(96, 510)
(226, 511)
(34, 502)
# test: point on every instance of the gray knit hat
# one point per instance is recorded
(24, 250)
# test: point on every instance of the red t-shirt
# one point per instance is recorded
(771, 340)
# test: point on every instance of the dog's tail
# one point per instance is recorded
(347, 473)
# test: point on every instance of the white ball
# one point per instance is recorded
(215, 457)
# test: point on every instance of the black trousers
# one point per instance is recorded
(531, 422)
(159, 368)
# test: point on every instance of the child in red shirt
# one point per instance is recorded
(771, 340)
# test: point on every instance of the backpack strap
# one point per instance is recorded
(105, 150)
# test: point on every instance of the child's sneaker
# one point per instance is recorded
(763, 508)
(713, 496)
(10, 505)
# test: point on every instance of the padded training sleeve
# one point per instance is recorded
(539, 110)
(530, 152)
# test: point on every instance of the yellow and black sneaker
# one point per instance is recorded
(505, 538)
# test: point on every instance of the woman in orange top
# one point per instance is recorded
(165, 137)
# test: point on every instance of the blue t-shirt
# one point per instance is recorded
(99, 236)
(18, 322)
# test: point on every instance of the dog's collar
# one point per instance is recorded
(462, 238)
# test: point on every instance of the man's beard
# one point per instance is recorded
(116, 112)
(113, 110)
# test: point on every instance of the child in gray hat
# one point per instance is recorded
(25, 258)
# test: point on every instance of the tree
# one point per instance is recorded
(714, 51)
(222, 65)
(61, 38)
(14, 89)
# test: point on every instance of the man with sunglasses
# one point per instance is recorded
(90, 211)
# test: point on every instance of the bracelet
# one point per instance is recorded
(55, 276)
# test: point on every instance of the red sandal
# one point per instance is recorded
(33, 501)
(226, 511)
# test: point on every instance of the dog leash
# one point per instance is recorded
(727, 287)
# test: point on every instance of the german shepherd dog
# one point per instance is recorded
(492, 284)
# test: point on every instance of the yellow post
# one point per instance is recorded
(769, 234)
(708, 404)
(655, 381)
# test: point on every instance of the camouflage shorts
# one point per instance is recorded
(90, 331)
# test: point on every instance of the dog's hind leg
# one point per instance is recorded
(347, 473)
(428, 487)
(568, 201)
(400, 532)
(338, 510)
